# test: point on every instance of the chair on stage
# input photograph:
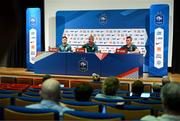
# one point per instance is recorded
(53, 49)
(22, 113)
(121, 51)
(131, 112)
(80, 50)
(83, 116)
(82, 106)
(23, 101)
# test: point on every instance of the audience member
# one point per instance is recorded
(137, 88)
(170, 96)
(156, 90)
(165, 80)
(83, 92)
(50, 94)
(109, 89)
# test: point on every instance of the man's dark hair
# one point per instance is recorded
(64, 37)
(45, 77)
(170, 96)
(129, 37)
(110, 86)
(137, 88)
(83, 92)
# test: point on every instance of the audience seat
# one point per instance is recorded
(9, 80)
(6, 100)
(84, 116)
(22, 113)
(156, 105)
(82, 106)
(131, 112)
(34, 90)
(68, 97)
(147, 88)
(9, 93)
(31, 94)
(24, 80)
(124, 86)
(37, 81)
(23, 101)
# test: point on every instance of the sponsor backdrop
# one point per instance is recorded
(110, 28)
(33, 35)
(158, 44)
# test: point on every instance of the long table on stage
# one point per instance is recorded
(84, 64)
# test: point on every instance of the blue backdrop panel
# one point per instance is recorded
(158, 44)
(33, 35)
(53, 64)
(115, 19)
(122, 64)
(75, 63)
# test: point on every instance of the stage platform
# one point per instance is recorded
(23, 73)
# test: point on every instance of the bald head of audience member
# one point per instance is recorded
(170, 96)
(50, 90)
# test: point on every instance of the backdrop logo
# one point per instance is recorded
(83, 65)
(103, 19)
(159, 18)
(32, 21)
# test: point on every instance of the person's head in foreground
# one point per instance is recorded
(137, 88)
(110, 86)
(50, 90)
(83, 92)
(170, 96)
(165, 80)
